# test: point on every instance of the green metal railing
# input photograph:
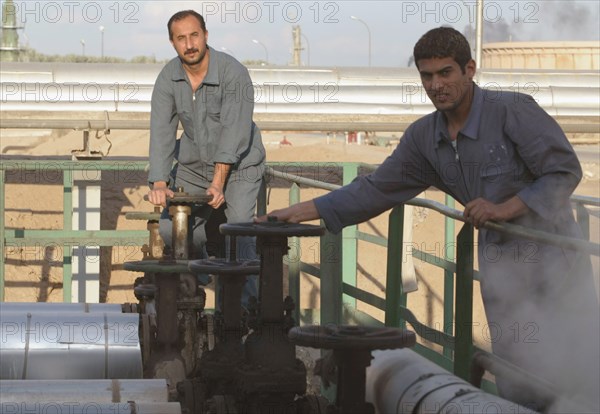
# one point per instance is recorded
(65, 237)
(458, 310)
(339, 293)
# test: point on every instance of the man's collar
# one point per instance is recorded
(471, 126)
(178, 73)
(212, 74)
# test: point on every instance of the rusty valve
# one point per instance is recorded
(352, 346)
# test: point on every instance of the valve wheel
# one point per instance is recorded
(181, 197)
(221, 266)
(141, 215)
(350, 337)
(158, 266)
(271, 228)
(186, 198)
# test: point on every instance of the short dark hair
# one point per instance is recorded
(443, 42)
(182, 15)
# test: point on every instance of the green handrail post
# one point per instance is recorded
(583, 218)
(350, 242)
(261, 201)
(449, 254)
(463, 348)
(394, 294)
(67, 225)
(331, 258)
(64, 236)
(294, 256)
(331, 295)
(2, 237)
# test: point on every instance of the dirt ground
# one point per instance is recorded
(34, 201)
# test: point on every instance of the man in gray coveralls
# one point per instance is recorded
(505, 159)
(220, 152)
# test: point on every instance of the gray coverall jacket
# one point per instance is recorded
(217, 128)
(537, 297)
(216, 119)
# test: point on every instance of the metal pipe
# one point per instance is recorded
(180, 214)
(132, 79)
(69, 345)
(401, 381)
(408, 99)
(115, 89)
(156, 243)
(299, 122)
(87, 408)
(272, 248)
(98, 391)
(535, 386)
(24, 307)
(167, 285)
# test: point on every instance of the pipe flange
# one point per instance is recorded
(350, 337)
(145, 290)
(271, 228)
(158, 266)
(221, 266)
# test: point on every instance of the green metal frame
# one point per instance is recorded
(458, 346)
(338, 257)
(67, 237)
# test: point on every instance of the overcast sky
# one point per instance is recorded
(134, 28)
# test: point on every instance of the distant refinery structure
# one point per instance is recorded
(9, 43)
(542, 55)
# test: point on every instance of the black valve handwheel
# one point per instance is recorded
(158, 266)
(351, 337)
(271, 228)
(224, 266)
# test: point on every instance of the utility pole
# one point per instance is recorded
(297, 40)
(479, 33)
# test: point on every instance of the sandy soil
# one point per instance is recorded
(34, 201)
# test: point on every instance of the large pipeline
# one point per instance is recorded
(88, 408)
(69, 345)
(401, 381)
(93, 391)
(277, 90)
(59, 307)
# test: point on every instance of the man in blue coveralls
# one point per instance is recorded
(220, 152)
(505, 159)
